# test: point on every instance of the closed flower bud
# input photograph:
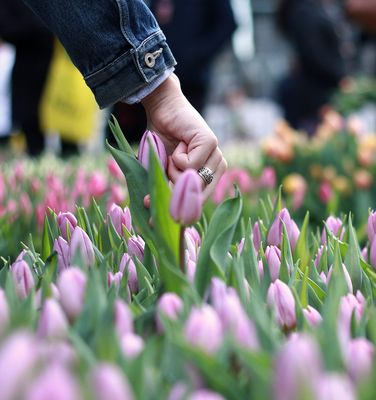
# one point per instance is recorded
(169, 305)
(72, 285)
(204, 329)
(335, 386)
(114, 169)
(120, 217)
(67, 222)
(276, 230)
(194, 235)
(318, 256)
(256, 236)
(109, 382)
(128, 268)
(346, 275)
(273, 257)
(151, 138)
(281, 299)
(4, 311)
(61, 246)
(312, 316)
(325, 192)
(371, 226)
(187, 198)
(23, 278)
(372, 253)
(131, 345)
(268, 178)
(80, 243)
(190, 266)
(205, 394)
(359, 354)
(52, 321)
(123, 318)
(136, 247)
(192, 245)
(114, 279)
(335, 225)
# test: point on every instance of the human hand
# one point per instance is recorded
(189, 141)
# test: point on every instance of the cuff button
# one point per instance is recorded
(149, 60)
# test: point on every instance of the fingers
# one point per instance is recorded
(220, 170)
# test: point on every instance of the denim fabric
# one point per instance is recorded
(110, 42)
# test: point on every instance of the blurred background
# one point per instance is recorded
(255, 63)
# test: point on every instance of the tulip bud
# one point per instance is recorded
(192, 246)
(128, 268)
(4, 311)
(194, 235)
(67, 222)
(364, 254)
(114, 279)
(273, 257)
(52, 321)
(187, 199)
(281, 299)
(292, 379)
(170, 306)
(276, 230)
(23, 278)
(358, 356)
(371, 226)
(190, 267)
(81, 243)
(312, 316)
(241, 246)
(114, 169)
(346, 275)
(136, 247)
(61, 247)
(318, 256)
(335, 386)
(204, 329)
(72, 285)
(55, 382)
(131, 345)
(205, 394)
(335, 225)
(152, 138)
(97, 185)
(256, 236)
(178, 391)
(260, 267)
(21, 256)
(57, 353)
(268, 178)
(372, 253)
(109, 382)
(123, 318)
(120, 217)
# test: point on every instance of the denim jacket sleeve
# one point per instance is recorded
(116, 44)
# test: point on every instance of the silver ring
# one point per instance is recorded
(206, 174)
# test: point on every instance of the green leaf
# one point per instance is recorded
(46, 240)
(352, 260)
(120, 138)
(250, 259)
(302, 250)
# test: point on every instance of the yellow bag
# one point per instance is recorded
(68, 106)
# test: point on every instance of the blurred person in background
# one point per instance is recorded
(323, 44)
(196, 30)
(34, 47)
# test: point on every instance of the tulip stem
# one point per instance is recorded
(182, 249)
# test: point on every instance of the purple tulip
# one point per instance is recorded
(312, 316)
(52, 322)
(192, 246)
(192, 232)
(324, 277)
(292, 376)
(335, 225)
(158, 147)
(204, 329)
(371, 226)
(359, 355)
(67, 222)
(169, 305)
(187, 198)
(23, 278)
(55, 382)
(81, 243)
(128, 267)
(178, 391)
(205, 394)
(52, 352)
(276, 230)
(241, 246)
(345, 273)
(273, 257)
(372, 253)
(18, 357)
(260, 267)
(4, 311)
(281, 299)
(21, 256)
(364, 254)
(131, 345)
(318, 256)
(335, 386)
(123, 318)
(190, 268)
(136, 247)
(72, 285)
(114, 279)
(109, 382)
(256, 236)
(120, 217)
(61, 246)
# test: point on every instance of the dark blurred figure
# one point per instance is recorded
(322, 40)
(34, 48)
(196, 31)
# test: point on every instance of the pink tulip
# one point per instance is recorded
(335, 386)
(151, 138)
(256, 236)
(136, 247)
(21, 256)
(61, 247)
(114, 279)
(205, 394)
(192, 232)
(312, 316)
(118, 195)
(4, 311)
(281, 299)
(169, 305)
(273, 257)
(97, 185)
(52, 321)
(131, 345)
(325, 192)
(260, 267)
(292, 376)
(23, 278)
(109, 382)
(72, 286)
(241, 246)
(359, 356)
(187, 199)
(372, 253)
(364, 254)
(324, 277)
(56, 383)
(128, 267)
(80, 243)
(123, 318)
(276, 230)
(67, 222)
(119, 218)
(204, 329)
(371, 226)
(268, 178)
(25, 204)
(192, 246)
(114, 169)
(190, 268)
(335, 225)
(346, 275)
(52, 352)
(318, 256)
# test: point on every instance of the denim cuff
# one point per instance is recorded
(133, 71)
